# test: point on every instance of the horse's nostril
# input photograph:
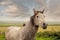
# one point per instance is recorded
(43, 23)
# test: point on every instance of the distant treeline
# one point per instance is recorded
(20, 24)
(53, 24)
(7, 25)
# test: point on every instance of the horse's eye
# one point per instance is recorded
(37, 16)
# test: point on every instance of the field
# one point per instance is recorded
(51, 33)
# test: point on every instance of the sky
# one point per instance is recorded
(21, 10)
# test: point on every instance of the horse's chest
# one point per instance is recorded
(27, 34)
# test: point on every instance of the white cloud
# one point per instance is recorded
(5, 2)
(2, 3)
(11, 9)
(24, 8)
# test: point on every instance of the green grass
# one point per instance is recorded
(48, 36)
(42, 36)
(2, 37)
(51, 33)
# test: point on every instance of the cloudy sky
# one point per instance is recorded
(21, 10)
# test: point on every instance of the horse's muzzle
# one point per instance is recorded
(44, 26)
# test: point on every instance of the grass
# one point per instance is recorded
(42, 36)
(51, 33)
(50, 28)
(2, 37)
(48, 36)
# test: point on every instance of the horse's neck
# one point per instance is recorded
(32, 29)
(31, 26)
(28, 31)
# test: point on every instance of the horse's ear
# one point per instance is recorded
(33, 9)
(35, 12)
(42, 11)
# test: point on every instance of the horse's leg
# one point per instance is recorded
(5, 39)
(33, 39)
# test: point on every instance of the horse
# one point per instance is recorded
(29, 30)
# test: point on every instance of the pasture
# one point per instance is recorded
(51, 33)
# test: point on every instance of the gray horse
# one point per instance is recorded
(29, 30)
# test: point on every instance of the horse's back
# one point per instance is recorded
(12, 32)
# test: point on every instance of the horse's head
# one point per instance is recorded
(39, 19)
